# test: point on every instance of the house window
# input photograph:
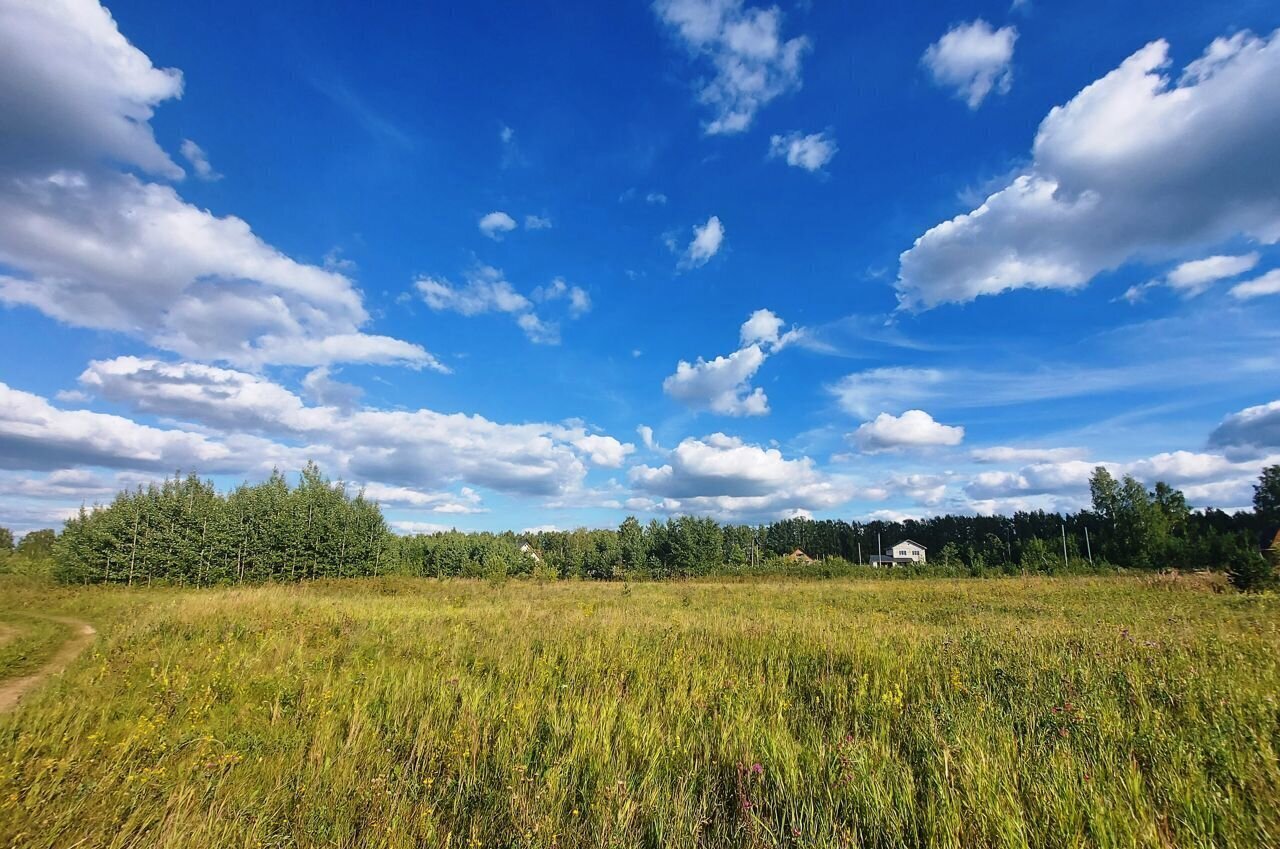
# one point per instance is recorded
(902, 552)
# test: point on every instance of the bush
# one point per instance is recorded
(1250, 572)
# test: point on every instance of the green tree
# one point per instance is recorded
(6, 541)
(38, 544)
(631, 542)
(1250, 571)
(1266, 496)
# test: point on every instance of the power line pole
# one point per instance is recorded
(1064, 545)
(1087, 546)
(859, 552)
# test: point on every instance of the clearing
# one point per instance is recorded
(403, 713)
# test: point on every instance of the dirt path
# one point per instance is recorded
(15, 688)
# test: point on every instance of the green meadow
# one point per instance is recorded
(398, 712)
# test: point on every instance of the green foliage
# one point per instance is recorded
(183, 531)
(1266, 496)
(6, 542)
(1252, 572)
(38, 544)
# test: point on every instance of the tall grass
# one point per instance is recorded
(404, 713)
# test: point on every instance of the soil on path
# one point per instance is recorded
(15, 688)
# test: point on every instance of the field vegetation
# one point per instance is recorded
(407, 712)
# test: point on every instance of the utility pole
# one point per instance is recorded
(1064, 545)
(1087, 546)
(859, 552)
(879, 546)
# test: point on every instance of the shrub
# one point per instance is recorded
(1250, 571)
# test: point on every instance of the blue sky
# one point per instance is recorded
(515, 267)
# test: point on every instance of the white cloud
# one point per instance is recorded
(536, 222)
(753, 64)
(655, 198)
(973, 59)
(579, 300)
(35, 435)
(603, 451)
(485, 290)
(495, 224)
(99, 247)
(465, 501)
(410, 527)
(765, 327)
(912, 429)
(725, 477)
(646, 437)
(1267, 284)
(421, 449)
(1250, 431)
(810, 152)
(707, 239)
(1007, 454)
(320, 386)
(1135, 165)
(1206, 479)
(199, 160)
(1194, 277)
(723, 385)
(539, 332)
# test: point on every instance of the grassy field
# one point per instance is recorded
(401, 713)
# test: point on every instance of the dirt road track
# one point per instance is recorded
(15, 688)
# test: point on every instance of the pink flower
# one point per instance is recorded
(757, 769)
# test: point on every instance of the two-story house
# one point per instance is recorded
(904, 553)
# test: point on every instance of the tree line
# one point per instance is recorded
(1127, 526)
(184, 531)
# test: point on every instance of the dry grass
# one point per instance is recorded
(403, 713)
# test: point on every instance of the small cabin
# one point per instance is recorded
(906, 553)
(529, 550)
(799, 556)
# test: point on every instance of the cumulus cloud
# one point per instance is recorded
(536, 222)
(495, 224)
(320, 386)
(723, 385)
(1135, 165)
(811, 152)
(1267, 284)
(421, 449)
(707, 239)
(973, 59)
(465, 501)
(753, 63)
(37, 436)
(96, 246)
(199, 160)
(912, 429)
(1251, 431)
(1206, 479)
(724, 476)
(765, 327)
